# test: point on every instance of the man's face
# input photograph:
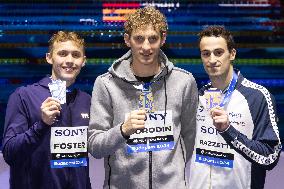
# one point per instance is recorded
(145, 44)
(67, 59)
(215, 56)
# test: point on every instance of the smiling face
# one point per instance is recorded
(67, 59)
(145, 45)
(216, 57)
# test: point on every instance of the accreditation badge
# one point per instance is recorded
(68, 147)
(157, 135)
(212, 97)
(214, 158)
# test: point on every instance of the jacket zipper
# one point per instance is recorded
(150, 170)
(183, 160)
(109, 173)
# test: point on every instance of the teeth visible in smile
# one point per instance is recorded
(68, 69)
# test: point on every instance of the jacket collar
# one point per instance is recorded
(209, 85)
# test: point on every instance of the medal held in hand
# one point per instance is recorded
(158, 132)
(58, 90)
(212, 97)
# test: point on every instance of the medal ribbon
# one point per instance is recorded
(147, 100)
(230, 90)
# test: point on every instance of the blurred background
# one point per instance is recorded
(27, 25)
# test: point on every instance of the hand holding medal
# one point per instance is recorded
(51, 107)
(220, 118)
(135, 120)
(215, 103)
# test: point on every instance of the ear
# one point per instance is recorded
(164, 37)
(127, 39)
(48, 58)
(84, 63)
(233, 54)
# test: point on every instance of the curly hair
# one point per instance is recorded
(218, 31)
(146, 16)
(63, 36)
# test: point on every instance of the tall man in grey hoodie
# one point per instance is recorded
(142, 118)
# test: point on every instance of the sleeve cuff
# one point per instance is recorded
(230, 134)
(224, 130)
(40, 127)
(124, 136)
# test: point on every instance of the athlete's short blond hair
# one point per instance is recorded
(63, 36)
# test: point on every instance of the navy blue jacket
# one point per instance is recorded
(239, 156)
(26, 142)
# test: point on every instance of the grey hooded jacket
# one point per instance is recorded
(114, 95)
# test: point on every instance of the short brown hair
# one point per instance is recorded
(218, 31)
(146, 16)
(63, 36)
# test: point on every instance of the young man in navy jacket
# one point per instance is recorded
(237, 137)
(45, 126)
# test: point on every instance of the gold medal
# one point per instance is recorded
(146, 100)
(212, 97)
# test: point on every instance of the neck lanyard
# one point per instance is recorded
(146, 86)
(230, 90)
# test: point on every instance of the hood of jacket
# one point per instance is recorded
(121, 68)
(45, 81)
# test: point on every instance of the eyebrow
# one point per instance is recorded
(213, 49)
(69, 50)
(143, 34)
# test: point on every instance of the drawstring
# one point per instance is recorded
(166, 96)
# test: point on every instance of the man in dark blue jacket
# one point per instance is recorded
(237, 138)
(46, 124)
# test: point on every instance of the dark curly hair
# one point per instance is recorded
(218, 31)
